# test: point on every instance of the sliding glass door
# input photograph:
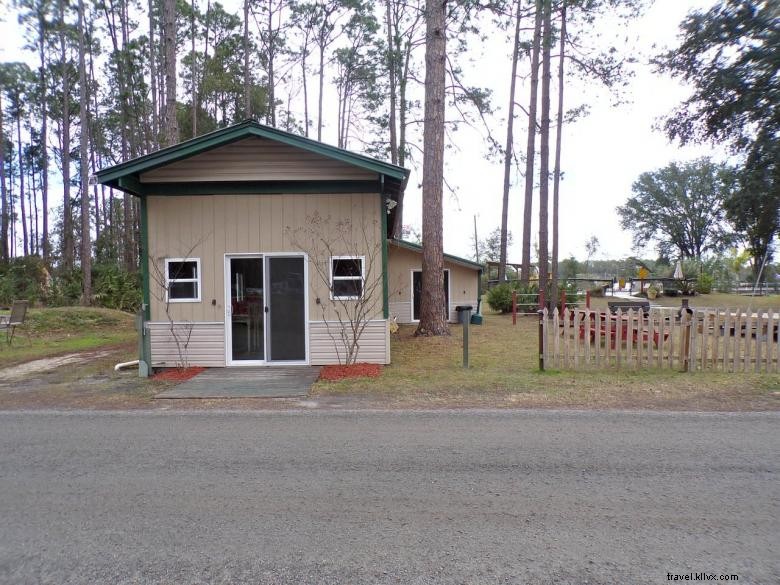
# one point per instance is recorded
(266, 309)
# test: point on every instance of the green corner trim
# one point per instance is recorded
(385, 277)
(145, 258)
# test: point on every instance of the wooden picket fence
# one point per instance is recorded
(707, 339)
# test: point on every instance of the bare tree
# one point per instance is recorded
(432, 318)
(324, 239)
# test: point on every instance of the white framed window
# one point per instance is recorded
(182, 280)
(347, 277)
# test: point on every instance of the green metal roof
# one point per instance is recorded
(454, 259)
(128, 172)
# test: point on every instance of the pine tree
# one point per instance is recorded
(433, 317)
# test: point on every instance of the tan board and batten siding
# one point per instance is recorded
(256, 159)
(464, 283)
(209, 227)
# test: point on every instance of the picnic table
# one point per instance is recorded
(609, 324)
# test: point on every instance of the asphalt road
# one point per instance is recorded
(465, 497)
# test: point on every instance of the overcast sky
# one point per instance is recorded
(603, 154)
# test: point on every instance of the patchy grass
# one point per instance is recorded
(504, 372)
(90, 383)
(50, 332)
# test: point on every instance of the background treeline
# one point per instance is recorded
(104, 81)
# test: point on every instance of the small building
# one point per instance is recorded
(258, 246)
(461, 282)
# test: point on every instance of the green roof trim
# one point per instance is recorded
(246, 129)
(455, 259)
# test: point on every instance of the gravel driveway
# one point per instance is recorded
(377, 497)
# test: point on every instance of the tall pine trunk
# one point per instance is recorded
(392, 87)
(194, 73)
(20, 158)
(169, 43)
(153, 77)
(433, 312)
(322, 89)
(86, 240)
(530, 149)
(4, 255)
(305, 95)
(392, 58)
(508, 151)
(44, 137)
(247, 86)
(271, 118)
(67, 219)
(544, 159)
(558, 138)
(32, 200)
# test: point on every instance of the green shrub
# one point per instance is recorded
(64, 289)
(704, 284)
(116, 289)
(500, 298)
(23, 278)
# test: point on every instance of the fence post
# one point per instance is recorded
(563, 300)
(514, 307)
(541, 341)
(587, 299)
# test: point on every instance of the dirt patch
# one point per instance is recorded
(178, 374)
(332, 373)
(46, 364)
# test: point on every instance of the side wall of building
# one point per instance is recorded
(464, 283)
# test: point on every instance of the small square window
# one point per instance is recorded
(346, 277)
(182, 280)
(186, 269)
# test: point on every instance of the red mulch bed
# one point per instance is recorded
(178, 374)
(332, 373)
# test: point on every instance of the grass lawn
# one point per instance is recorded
(65, 330)
(504, 372)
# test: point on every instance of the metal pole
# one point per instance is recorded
(514, 307)
(541, 341)
(466, 321)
